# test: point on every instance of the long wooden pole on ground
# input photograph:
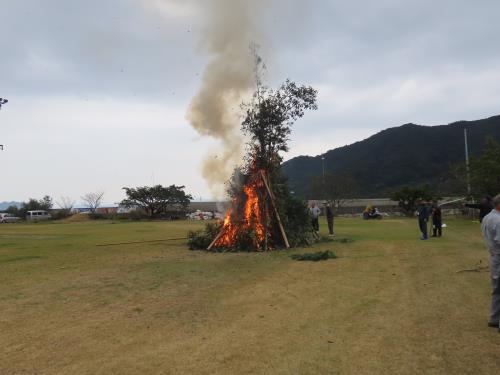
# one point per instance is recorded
(141, 242)
(271, 195)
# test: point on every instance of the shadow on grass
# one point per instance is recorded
(20, 258)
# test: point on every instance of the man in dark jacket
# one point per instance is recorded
(484, 207)
(437, 221)
(329, 219)
(423, 217)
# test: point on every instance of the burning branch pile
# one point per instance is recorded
(253, 221)
(263, 215)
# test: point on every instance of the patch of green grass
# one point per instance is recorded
(390, 303)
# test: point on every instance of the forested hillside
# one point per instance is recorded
(406, 155)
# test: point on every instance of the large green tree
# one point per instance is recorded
(269, 118)
(485, 170)
(408, 196)
(44, 204)
(157, 200)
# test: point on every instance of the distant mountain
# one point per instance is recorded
(406, 155)
(5, 205)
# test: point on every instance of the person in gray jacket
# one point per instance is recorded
(491, 231)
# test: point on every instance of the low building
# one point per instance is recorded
(105, 209)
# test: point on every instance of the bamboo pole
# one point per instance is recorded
(453, 201)
(271, 195)
(215, 240)
(140, 242)
(266, 225)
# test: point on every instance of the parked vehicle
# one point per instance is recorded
(8, 218)
(38, 216)
(200, 215)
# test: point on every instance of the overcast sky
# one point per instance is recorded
(98, 90)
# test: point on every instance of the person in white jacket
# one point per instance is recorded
(491, 231)
(314, 212)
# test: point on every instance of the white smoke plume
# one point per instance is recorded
(230, 29)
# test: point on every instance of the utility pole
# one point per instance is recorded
(467, 165)
(2, 102)
(324, 179)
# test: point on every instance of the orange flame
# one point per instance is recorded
(252, 220)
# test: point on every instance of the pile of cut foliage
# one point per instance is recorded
(201, 239)
(315, 257)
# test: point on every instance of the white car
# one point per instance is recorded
(8, 218)
(39, 215)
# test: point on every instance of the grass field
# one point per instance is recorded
(390, 304)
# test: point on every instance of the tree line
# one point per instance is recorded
(152, 201)
(484, 178)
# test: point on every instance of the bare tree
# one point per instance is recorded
(66, 204)
(93, 200)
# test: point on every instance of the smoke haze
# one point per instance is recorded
(230, 29)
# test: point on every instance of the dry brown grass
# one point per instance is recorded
(389, 305)
(78, 218)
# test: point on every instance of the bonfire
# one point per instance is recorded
(263, 215)
(252, 218)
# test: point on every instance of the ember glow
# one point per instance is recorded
(247, 217)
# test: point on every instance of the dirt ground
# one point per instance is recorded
(390, 304)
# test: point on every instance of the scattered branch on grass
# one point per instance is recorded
(325, 239)
(343, 240)
(479, 268)
(315, 257)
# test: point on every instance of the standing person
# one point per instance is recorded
(423, 218)
(314, 212)
(329, 219)
(437, 220)
(491, 232)
(484, 207)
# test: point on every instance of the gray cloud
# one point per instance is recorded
(103, 81)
